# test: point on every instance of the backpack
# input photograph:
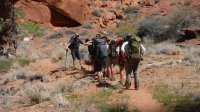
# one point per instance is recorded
(134, 49)
(74, 44)
(112, 49)
(100, 48)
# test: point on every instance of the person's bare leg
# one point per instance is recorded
(99, 74)
(109, 72)
(121, 74)
(112, 72)
(74, 63)
(80, 62)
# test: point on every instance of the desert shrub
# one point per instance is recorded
(156, 1)
(58, 53)
(119, 107)
(187, 2)
(5, 65)
(55, 35)
(192, 55)
(83, 33)
(23, 62)
(182, 18)
(167, 28)
(5, 100)
(172, 99)
(36, 95)
(151, 27)
(30, 29)
(87, 25)
(166, 48)
(59, 100)
(97, 12)
(131, 10)
(69, 32)
(124, 29)
(64, 86)
(101, 98)
(118, 8)
(131, 17)
(19, 13)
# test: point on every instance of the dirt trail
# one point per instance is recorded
(143, 101)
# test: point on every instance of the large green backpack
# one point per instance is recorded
(134, 49)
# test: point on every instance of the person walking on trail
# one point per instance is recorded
(100, 56)
(120, 58)
(112, 58)
(133, 54)
(74, 45)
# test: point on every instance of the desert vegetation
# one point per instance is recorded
(40, 76)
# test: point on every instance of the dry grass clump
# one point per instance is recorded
(192, 55)
(58, 53)
(64, 86)
(59, 100)
(36, 95)
(165, 48)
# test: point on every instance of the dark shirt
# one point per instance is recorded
(90, 49)
(75, 43)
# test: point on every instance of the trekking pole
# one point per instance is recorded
(66, 59)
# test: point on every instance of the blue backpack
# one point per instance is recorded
(100, 48)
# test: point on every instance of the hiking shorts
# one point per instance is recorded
(75, 54)
(112, 61)
(99, 64)
(121, 61)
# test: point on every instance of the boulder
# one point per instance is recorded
(189, 33)
(35, 11)
(109, 16)
(55, 12)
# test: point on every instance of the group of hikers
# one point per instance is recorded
(105, 53)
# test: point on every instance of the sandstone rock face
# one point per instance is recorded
(54, 12)
(35, 12)
(145, 3)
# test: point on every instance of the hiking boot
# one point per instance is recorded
(121, 82)
(137, 88)
(128, 85)
(112, 79)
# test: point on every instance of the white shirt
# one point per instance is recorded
(123, 48)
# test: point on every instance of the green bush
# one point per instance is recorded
(23, 62)
(119, 107)
(124, 29)
(97, 12)
(19, 13)
(167, 28)
(151, 27)
(30, 29)
(131, 10)
(172, 99)
(5, 65)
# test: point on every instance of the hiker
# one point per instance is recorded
(74, 45)
(133, 51)
(120, 58)
(91, 51)
(112, 59)
(100, 56)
